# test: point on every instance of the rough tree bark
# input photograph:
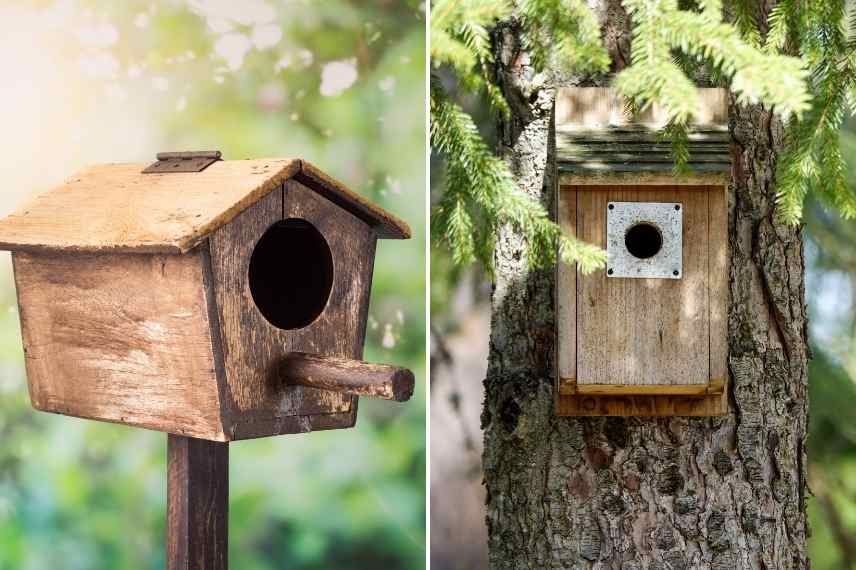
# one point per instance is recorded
(637, 493)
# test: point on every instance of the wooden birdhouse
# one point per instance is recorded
(645, 336)
(220, 300)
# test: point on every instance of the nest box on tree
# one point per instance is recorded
(220, 300)
(647, 335)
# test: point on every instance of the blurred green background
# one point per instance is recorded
(340, 83)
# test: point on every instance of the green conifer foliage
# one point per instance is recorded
(814, 89)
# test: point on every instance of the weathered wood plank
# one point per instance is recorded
(718, 280)
(117, 208)
(567, 142)
(120, 338)
(602, 106)
(385, 224)
(575, 157)
(348, 376)
(646, 331)
(197, 504)
(639, 390)
(597, 166)
(592, 289)
(566, 290)
(254, 348)
(692, 181)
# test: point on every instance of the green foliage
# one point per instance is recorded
(815, 92)
(661, 28)
(480, 194)
(562, 33)
(812, 161)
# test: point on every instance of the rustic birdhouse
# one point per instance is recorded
(645, 336)
(221, 300)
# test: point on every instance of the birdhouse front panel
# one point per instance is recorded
(221, 300)
(646, 335)
(292, 273)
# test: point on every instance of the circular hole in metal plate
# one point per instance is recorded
(643, 240)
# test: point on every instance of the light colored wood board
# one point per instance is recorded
(592, 290)
(718, 280)
(116, 208)
(254, 348)
(593, 107)
(694, 181)
(642, 406)
(619, 325)
(644, 331)
(120, 338)
(566, 289)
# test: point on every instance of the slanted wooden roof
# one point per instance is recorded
(114, 207)
(598, 142)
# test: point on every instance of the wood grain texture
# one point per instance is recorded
(571, 387)
(645, 331)
(197, 504)
(718, 280)
(385, 224)
(592, 107)
(259, 404)
(691, 181)
(120, 338)
(116, 208)
(623, 364)
(566, 290)
(348, 376)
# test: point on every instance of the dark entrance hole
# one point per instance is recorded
(291, 274)
(643, 240)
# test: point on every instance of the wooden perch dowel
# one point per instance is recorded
(348, 376)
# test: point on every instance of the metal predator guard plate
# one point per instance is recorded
(644, 240)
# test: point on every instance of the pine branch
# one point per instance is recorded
(481, 196)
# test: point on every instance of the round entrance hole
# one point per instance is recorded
(643, 240)
(291, 274)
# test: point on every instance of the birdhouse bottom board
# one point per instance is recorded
(639, 345)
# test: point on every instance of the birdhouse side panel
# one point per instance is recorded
(122, 338)
(256, 338)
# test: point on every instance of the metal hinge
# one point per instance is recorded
(191, 161)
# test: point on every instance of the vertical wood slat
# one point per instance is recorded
(197, 504)
(566, 291)
(718, 282)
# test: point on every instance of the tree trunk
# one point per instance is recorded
(643, 493)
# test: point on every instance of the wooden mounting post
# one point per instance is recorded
(197, 504)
